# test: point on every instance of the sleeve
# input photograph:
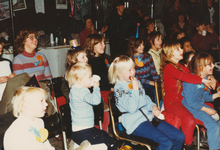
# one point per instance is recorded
(171, 71)
(191, 96)
(207, 96)
(47, 72)
(18, 66)
(93, 98)
(212, 38)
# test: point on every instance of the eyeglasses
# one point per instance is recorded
(33, 37)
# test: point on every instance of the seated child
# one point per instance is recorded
(27, 131)
(195, 96)
(130, 98)
(186, 45)
(144, 65)
(154, 40)
(79, 77)
(187, 57)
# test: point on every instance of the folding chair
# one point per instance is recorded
(121, 135)
(160, 96)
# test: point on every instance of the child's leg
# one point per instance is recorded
(173, 133)
(213, 129)
(146, 130)
(188, 123)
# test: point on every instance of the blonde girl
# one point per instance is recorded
(130, 98)
(27, 131)
(172, 75)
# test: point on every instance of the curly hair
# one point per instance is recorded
(91, 41)
(133, 44)
(166, 55)
(21, 38)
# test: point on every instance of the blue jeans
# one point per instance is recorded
(165, 134)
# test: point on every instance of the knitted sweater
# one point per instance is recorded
(145, 69)
(81, 101)
(32, 63)
(171, 75)
(129, 101)
(195, 96)
(21, 135)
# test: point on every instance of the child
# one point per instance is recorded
(195, 96)
(27, 131)
(130, 97)
(154, 40)
(186, 45)
(81, 104)
(172, 75)
(144, 65)
(76, 55)
(187, 57)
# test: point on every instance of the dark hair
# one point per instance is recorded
(148, 22)
(133, 44)
(185, 60)
(119, 2)
(152, 36)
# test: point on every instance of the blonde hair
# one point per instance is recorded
(20, 98)
(166, 55)
(71, 57)
(77, 72)
(118, 66)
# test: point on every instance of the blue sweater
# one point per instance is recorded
(129, 101)
(145, 68)
(81, 101)
(194, 96)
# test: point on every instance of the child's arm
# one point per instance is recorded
(209, 111)
(216, 95)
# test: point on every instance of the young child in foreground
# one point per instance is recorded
(79, 77)
(27, 131)
(172, 75)
(195, 96)
(130, 97)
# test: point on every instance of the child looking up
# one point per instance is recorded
(79, 77)
(144, 65)
(154, 40)
(195, 96)
(27, 131)
(172, 76)
(130, 98)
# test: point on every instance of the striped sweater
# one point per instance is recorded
(32, 63)
(145, 69)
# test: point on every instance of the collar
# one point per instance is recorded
(28, 54)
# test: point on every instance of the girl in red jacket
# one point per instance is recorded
(172, 76)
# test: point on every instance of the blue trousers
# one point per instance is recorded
(165, 134)
(212, 126)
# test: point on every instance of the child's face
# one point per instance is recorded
(38, 105)
(150, 28)
(181, 18)
(99, 48)
(157, 43)
(82, 57)
(86, 80)
(187, 47)
(1, 47)
(208, 69)
(140, 49)
(127, 73)
(30, 43)
(200, 28)
(177, 54)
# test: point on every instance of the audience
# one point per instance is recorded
(28, 60)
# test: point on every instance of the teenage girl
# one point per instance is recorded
(195, 96)
(172, 75)
(144, 65)
(130, 98)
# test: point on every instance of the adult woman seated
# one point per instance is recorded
(28, 60)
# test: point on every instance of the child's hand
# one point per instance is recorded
(3, 79)
(96, 84)
(152, 83)
(156, 111)
(213, 81)
(209, 111)
(134, 82)
(216, 95)
(208, 83)
(12, 75)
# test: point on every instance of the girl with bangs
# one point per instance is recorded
(172, 76)
(100, 62)
(195, 96)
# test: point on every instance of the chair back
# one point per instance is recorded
(159, 92)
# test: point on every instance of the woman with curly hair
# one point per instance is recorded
(28, 60)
